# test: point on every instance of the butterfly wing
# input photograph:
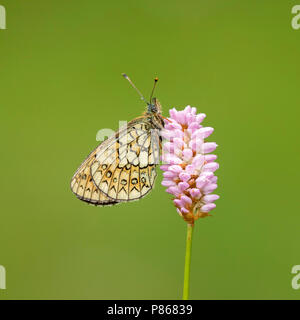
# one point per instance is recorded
(124, 168)
(83, 187)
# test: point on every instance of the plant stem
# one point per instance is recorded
(187, 265)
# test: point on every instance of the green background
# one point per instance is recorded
(61, 64)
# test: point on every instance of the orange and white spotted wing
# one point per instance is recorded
(124, 170)
(83, 186)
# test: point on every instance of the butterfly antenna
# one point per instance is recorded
(134, 87)
(155, 82)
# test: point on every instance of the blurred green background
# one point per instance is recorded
(61, 64)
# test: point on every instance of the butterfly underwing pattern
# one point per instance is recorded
(122, 168)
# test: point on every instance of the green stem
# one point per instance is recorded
(187, 265)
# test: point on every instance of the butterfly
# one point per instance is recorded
(122, 168)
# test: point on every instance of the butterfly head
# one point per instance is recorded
(154, 106)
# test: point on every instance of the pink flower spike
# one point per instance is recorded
(188, 169)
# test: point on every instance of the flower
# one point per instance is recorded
(188, 167)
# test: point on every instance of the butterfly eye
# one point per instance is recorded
(152, 108)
